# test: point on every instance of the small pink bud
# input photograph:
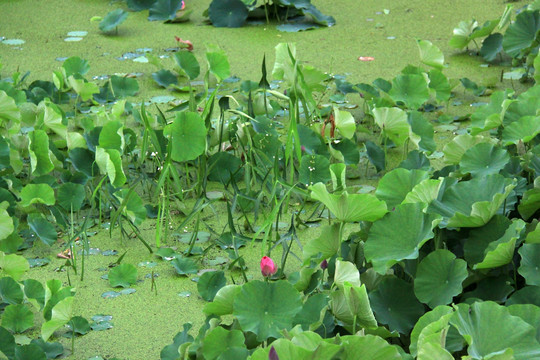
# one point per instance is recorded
(324, 264)
(268, 267)
(272, 355)
(184, 44)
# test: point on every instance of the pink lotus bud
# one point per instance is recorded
(324, 264)
(267, 266)
(184, 44)
(272, 355)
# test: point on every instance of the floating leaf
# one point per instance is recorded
(184, 266)
(123, 275)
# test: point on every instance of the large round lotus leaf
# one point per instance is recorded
(424, 192)
(71, 196)
(123, 275)
(314, 169)
(75, 65)
(393, 123)
(411, 89)
(165, 78)
(209, 284)
(430, 54)
(34, 290)
(188, 136)
(223, 166)
(399, 236)
(123, 86)
(43, 228)
(525, 129)
(350, 207)
(267, 308)
(17, 318)
(83, 161)
(218, 65)
(313, 311)
(521, 34)
(140, 5)
(530, 263)
(219, 340)
(484, 159)
(112, 20)
(60, 315)
(164, 10)
(13, 265)
(439, 277)
(425, 320)
(396, 184)
(395, 305)
(228, 13)
(481, 324)
(454, 150)
(472, 203)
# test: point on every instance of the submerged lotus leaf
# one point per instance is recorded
(521, 34)
(411, 89)
(267, 308)
(472, 203)
(349, 207)
(439, 277)
(399, 236)
(163, 10)
(484, 159)
(227, 13)
(395, 305)
(480, 325)
(396, 184)
(530, 263)
(112, 20)
(188, 136)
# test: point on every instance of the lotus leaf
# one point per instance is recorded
(184, 266)
(346, 272)
(123, 275)
(224, 166)
(470, 30)
(164, 10)
(524, 130)
(411, 89)
(6, 222)
(8, 109)
(112, 20)
(393, 123)
(10, 291)
(424, 192)
(430, 54)
(349, 207)
(399, 236)
(83, 88)
(439, 277)
(284, 349)
(218, 65)
(480, 238)
(165, 78)
(345, 123)
(521, 34)
(71, 196)
(61, 314)
(133, 207)
(438, 313)
(29, 352)
(313, 311)
(222, 304)
(17, 318)
(139, 5)
(110, 162)
(13, 265)
(530, 263)
(491, 46)
(472, 203)
(188, 136)
(40, 158)
(529, 313)
(396, 184)
(35, 292)
(348, 151)
(209, 284)
(454, 150)
(375, 155)
(440, 84)
(52, 350)
(480, 325)
(484, 159)
(327, 244)
(220, 340)
(266, 308)
(501, 251)
(395, 305)
(123, 86)
(490, 116)
(228, 13)
(314, 169)
(358, 303)
(43, 228)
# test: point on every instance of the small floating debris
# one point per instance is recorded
(391, 38)
(13, 42)
(73, 39)
(77, 33)
(366, 58)
(141, 59)
(61, 58)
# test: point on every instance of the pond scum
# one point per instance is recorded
(400, 242)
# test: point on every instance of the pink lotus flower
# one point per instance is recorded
(184, 44)
(268, 267)
(366, 58)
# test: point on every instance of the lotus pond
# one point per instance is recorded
(269, 179)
